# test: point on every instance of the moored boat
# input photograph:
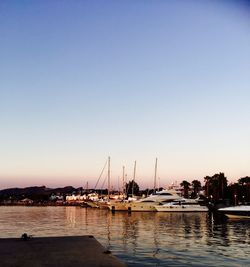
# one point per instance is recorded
(148, 203)
(236, 211)
(182, 205)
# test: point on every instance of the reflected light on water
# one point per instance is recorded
(140, 238)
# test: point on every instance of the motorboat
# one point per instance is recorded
(182, 205)
(148, 203)
(242, 211)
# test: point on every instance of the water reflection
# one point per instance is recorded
(175, 238)
(141, 238)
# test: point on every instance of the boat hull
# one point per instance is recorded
(237, 212)
(181, 209)
(141, 206)
(238, 216)
(133, 206)
(118, 206)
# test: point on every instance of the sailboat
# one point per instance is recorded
(122, 204)
(104, 204)
(148, 203)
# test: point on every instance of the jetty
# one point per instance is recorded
(66, 251)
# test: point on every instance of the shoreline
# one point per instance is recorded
(51, 204)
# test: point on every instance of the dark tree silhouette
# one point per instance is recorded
(244, 180)
(132, 188)
(185, 185)
(196, 188)
(216, 186)
(244, 184)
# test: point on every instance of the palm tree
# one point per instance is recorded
(207, 180)
(244, 182)
(222, 184)
(185, 185)
(196, 187)
(216, 186)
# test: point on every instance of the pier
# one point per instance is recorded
(68, 251)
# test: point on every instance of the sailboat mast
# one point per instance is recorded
(155, 175)
(108, 177)
(123, 181)
(133, 179)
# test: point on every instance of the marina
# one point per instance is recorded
(124, 133)
(140, 238)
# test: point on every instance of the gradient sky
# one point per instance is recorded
(133, 80)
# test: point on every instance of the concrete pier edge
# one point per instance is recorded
(62, 251)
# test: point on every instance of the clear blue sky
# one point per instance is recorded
(133, 80)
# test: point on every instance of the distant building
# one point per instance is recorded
(75, 198)
(26, 201)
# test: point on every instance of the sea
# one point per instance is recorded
(140, 238)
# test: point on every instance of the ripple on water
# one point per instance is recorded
(140, 239)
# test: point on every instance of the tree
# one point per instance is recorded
(132, 188)
(222, 185)
(196, 187)
(185, 185)
(216, 186)
(234, 192)
(207, 181)
(244, 193)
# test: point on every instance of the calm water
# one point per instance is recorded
(140, 239)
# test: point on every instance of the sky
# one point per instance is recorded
(134, 80)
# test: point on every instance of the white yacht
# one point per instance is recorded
(182, 205)
(148, 203)
(237, 211)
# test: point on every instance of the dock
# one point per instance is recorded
(66, 251)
